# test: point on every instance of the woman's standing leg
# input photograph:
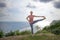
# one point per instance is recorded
(31, 24)
(31, 27)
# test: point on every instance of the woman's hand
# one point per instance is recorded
(44, 17)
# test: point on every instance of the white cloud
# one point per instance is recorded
(22, 11)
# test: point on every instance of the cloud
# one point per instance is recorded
(13, 10)
(1, 14)
(2, 5)
(57, 4)
(45, 1)
(31, 6)
(35, 0)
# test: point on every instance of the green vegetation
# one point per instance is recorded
(54, 27)
(25, 33)
(41, 37)
(42, 31)
(11, 33)
(17, 32)
(1, 34)
(34, 37)
(14, 33)
(51, 32)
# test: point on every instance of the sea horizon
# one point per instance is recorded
(13, 26)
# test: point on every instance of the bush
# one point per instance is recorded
(25, 32)
(56, 31)
(10, 34)
(38, 32)
(1, 34)
(17, 32)
(53, 28)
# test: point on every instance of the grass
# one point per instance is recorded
(43, 31)
(25, 33)
(40, 35)
(34, 37)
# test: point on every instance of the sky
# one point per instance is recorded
(18, 10)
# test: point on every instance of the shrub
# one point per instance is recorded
(17, 32)
(56, 31)
(10, 34)
(1, 34)
(25, 32)
(54, 28)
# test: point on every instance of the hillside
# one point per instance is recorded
(40, 36)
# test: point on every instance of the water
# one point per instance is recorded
(8, 26)
(13, 26)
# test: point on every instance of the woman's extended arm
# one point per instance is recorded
(41, 16)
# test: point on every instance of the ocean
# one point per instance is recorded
(13, 26)
(8, 26)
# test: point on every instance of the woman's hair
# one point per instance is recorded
(31, 11)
